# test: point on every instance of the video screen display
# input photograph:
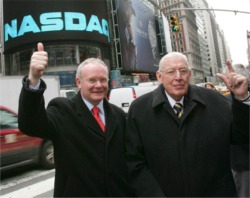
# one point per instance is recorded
(138, 37)
(32, 21)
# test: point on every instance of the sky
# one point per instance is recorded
(235, 26)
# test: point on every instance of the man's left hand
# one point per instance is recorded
(236, 83)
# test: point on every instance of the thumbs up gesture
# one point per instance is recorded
(38, 62)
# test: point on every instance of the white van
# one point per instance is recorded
(123, 97)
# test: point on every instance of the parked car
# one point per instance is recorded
(18, 149)
(69, 93)
(124, 96)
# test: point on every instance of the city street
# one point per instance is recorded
(28, 182)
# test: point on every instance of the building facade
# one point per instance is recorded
(186, 40)
(130, 36)
(127, 35)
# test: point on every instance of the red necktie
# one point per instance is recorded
(95, 111)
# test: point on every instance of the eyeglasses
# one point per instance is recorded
(94, 81)
(182, 72)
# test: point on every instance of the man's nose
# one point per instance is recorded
(98, 83)
(177, 74)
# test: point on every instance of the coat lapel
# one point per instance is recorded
(190, 102)
(192, 99)
(89, 121)
(111, 120)
(160, 98)
(86, 116)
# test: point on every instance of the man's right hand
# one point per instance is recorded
(38, 62)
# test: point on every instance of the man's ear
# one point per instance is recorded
(158, 76)
(78, 82)
(190, 74)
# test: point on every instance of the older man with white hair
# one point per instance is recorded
(179, 135)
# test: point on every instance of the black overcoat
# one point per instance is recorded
(89, 163)
(187, 157)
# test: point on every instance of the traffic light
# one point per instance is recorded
(174, 23)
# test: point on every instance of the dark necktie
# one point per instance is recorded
(179, 109)
(95, 111)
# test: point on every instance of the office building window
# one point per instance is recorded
(60, 58)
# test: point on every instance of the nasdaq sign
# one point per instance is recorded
(73, 21)
(51, 21)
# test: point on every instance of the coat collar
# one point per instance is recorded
(192, 95)
(89, 120)
(191, 100)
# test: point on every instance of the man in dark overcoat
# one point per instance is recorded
(89, 157)
(182, 150)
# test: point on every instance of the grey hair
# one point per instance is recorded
(87, 61)
(171, 55)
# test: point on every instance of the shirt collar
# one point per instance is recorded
(90, 106)
(172, 101)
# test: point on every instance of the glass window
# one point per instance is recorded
(59, 56)
(86, 51)
(70, 94)
(8, 120)
(21, 61)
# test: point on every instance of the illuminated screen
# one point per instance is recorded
(32, 21)
(139, 46)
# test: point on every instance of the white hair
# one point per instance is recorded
(87, 61)
(171, 55)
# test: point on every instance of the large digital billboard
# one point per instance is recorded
(32, 21)
(138, 36)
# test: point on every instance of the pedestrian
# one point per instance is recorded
(178, 136)
(89, 157)
(240, 154)
(210, 85)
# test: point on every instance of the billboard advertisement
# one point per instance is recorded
(32, 21)
(138, 36)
